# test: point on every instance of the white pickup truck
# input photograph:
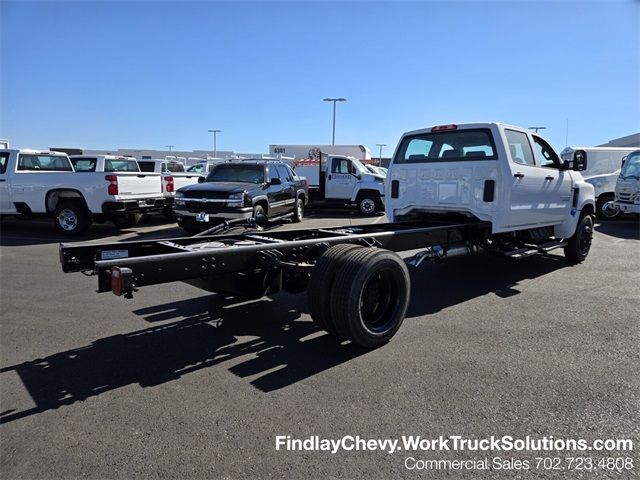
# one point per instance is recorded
(339, 181)
(174, 177)
(34, 182)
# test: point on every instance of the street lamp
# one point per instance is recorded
(537, 128)
(215, 142)
(169, 147)
(380, 156)
(334, 100)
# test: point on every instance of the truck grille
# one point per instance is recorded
(624, 197)
(214, 195)
(197, 207)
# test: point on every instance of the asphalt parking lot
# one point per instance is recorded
(181, 383)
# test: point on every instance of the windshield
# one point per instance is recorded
(121, 166)
(447, 146)
(237, 173)
(631, 166)
(359, 166)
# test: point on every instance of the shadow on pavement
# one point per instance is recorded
(15, 232)
(266, 337)
(626, 228)
(442, 285)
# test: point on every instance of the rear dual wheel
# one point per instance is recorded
(360, 294)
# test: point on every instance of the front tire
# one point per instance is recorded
(368, 204)
(260, 215)
(580, 243)
(604, 208)
(71, 218)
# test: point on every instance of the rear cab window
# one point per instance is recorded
(147, 166)
(84, 164)
(121, 165)
(447, 146)
(32, 162)
(175, 167)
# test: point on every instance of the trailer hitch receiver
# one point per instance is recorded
(122, 282)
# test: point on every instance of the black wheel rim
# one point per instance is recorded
(586, 236)
(379, 300)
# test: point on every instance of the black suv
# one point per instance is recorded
(263, 189)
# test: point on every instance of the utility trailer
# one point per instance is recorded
(453, 190)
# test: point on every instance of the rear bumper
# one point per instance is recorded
(627, 207)
(143, 205)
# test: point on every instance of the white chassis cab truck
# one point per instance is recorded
(602, 168)
(341, 181)
(35, 183)
(454, 190)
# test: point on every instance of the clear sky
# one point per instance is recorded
(133, 74)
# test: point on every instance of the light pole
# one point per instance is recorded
(380, 156)
(169, 147)
(215, 142)
(334, 100)
(537, 128)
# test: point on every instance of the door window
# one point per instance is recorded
(84, 164)
(284, 175)
(4, 158)
(519, 147)
(545, 156)
(147, 166)
(340, 165)
(273, 173)
(44, 163)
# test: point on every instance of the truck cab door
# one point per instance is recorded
(540, 192)
(6, 205)
(341, 179)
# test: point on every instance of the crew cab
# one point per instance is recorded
(241, 189)
(505, 175)
(35, 182)
(339, 181)
(174, 177)
(627, 198)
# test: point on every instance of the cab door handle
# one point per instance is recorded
(518, 175)
(549, 177)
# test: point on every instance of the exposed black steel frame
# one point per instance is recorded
(218, 256)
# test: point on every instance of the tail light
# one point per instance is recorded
(306, 183)
(169, 181)
(122, 281)
(112, 189)
(441, 128)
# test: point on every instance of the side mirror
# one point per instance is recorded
(580, 161)
(200, 179)
(275, 181)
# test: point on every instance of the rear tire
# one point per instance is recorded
(604, 208)
(370, 296)
(320, 283)
(580, 243)
(71, 218)
(298, 211)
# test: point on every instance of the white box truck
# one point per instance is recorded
(602, 170)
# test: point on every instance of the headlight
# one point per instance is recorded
(236, 196)
(379, 180)
(179, 199)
